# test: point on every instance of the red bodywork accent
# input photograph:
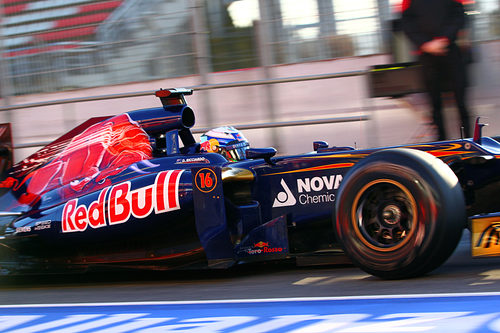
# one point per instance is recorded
(84, 162)
(163, 93)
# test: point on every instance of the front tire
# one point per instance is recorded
(400, 213)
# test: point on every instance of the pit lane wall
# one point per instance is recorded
(393, 121)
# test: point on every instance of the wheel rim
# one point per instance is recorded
(384, 215)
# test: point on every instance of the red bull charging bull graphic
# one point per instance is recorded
(83, 163)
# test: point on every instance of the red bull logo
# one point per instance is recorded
(123, 203)
(261, 244)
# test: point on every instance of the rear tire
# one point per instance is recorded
(400, 213)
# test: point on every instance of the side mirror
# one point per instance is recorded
(265, 153)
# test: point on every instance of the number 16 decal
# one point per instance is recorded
(205, 180)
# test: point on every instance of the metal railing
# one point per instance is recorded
(274, 124)
(134, 38)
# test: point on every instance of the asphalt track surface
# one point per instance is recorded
(460, 274)
(460, 296)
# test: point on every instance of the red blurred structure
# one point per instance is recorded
(36, 26)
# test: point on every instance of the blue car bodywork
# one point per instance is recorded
(166, 205)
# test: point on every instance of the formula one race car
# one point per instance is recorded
(137, 191)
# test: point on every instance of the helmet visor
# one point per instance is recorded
(236, 152)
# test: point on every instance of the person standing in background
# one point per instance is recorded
(433, 26)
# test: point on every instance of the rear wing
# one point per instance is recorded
(173, 96)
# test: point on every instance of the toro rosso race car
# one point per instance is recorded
(137, 190)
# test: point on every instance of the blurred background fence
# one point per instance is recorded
(56, 45)
(59, 49)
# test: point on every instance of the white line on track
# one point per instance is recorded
(259, 300)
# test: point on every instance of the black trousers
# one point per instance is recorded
(446, 73)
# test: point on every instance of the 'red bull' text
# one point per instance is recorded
(117, 204)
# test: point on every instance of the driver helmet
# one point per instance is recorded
(227, 141)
